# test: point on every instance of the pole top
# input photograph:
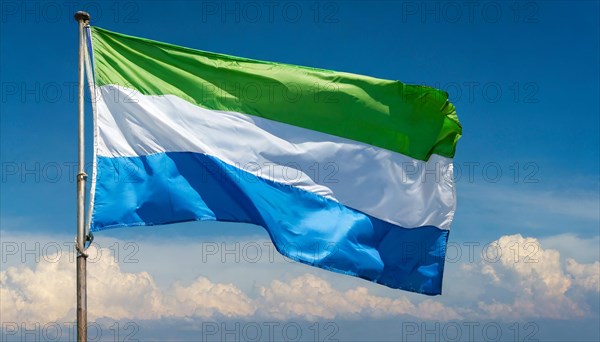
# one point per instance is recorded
(82, 16)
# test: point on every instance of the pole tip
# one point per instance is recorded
(82, 16)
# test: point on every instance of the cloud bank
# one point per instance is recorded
(529, 282)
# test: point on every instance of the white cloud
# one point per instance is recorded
(42, 294)
(311, 297)
(526, 281)
(533, 275)
(205, 299)
(586, 276)
(45, 293)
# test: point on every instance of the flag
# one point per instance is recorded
(348, 173)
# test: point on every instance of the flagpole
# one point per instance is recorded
(83, 18)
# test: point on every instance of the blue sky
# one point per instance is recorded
(524, 77)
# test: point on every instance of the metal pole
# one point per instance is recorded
(83, 19)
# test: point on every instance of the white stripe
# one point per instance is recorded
(384, 184)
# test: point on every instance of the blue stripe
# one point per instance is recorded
(183, 186)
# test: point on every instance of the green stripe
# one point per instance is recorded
(413, 120)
